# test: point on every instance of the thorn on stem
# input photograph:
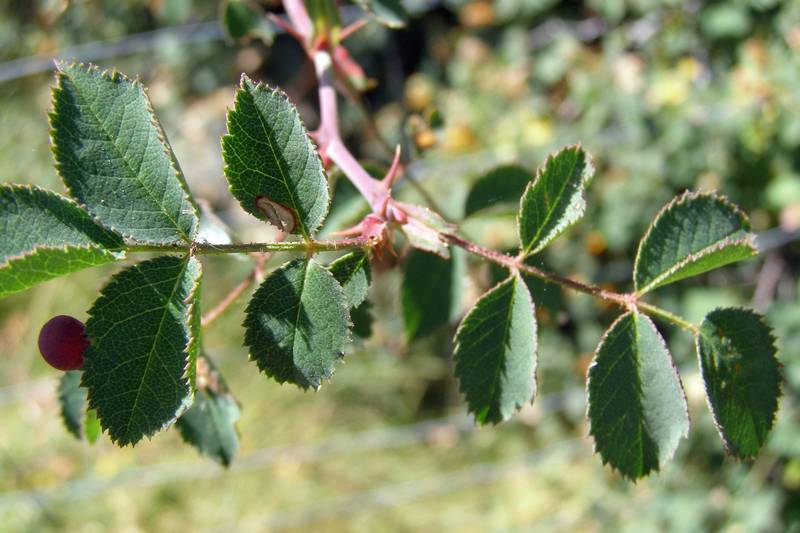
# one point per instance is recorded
(391, 176)
(351, 28)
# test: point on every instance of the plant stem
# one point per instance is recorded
(670, 317)
(627, 301)
(229, 299)
(331, 142)
(246, 248)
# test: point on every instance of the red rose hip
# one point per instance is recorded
(62, 342)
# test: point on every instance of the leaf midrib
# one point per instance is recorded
(120, 154)
(552, 208)
(178, 283)
(277, 160)
(720, 245)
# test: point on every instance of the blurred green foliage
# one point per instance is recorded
(666, 95)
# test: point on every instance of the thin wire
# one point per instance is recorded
(96, 50)
(348, 443)
(392, 495)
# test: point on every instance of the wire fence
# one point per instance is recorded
(393, 495)
(369, 440)
(97, 50)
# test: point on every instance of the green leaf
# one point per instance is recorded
(693, 234)
(272, 166)
(501, 186)
(362, 320)
(115, 159)
(297, 324)
(742, 377)
(431, 291)
(46, 235)
(137, 368)
(637, 407)
(390, 13)
(554, 199)
(210, 423)
(243, 18)
(91, 426)
(495, 352)
(78, 420)
(353, 274)
(72, 398)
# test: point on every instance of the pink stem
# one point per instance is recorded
(375, 192)
(296, 11)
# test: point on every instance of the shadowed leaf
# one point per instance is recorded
(297, 324)
(210, 423)
(431, 291)
(742, 377)
(500, 187)
(136, 369)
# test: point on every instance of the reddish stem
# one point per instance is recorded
(330, 141)
(296, 11)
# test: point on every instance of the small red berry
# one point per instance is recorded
(62, 342)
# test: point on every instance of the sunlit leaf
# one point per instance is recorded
(272, 166)
(495, 352)
(45, 235)
(693, 234)
(637, 407)
(115, 159)
(554, 199)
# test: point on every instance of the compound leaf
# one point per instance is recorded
(46, 235)
(353, 274)
(390, 13)
(210, 423)
(495, 352)
(431, 291)
(742, 377)
(140, 329)
(693, 234)
(297, 324)
(637, 407)
(272, 166)
(115, 159)
(501, 186)
(554, 199)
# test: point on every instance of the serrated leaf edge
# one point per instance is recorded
(517, 406)
(586, 178)
(606, 461)
(114, 75)
(748, 240)
(190, 371)
(187, 402)
(345, 310)
(761, 319)
(29, 187)
(307, 233)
